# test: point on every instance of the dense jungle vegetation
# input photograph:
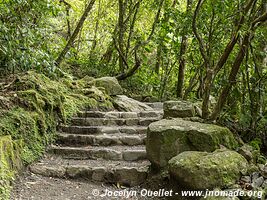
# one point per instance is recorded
(207, 50)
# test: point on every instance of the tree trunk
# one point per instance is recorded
(122, 8)
(181, 73)
(75, 33)
(232, 77)
(96, 30)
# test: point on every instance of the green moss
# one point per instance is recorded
(10, 152)
(256, 143)
(202, 170)
(39, 104)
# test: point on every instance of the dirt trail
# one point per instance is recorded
(35, 187)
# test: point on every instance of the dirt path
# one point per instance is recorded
(31, 186)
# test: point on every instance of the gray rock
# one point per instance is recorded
(131, 122)
(56, 171)
(264, 185)
(245, 179)
(256, 183)
(178, 109)
(168, 138)
(106, 140)
(254, 176)
(130, 176)
(111, 85)
(202, 170)
(98, 173)
(129, 115)
(132, 155)
(131, 140)
(112, 115)
(263, 170)
(246, 151)
(124, 103)
(79, 172)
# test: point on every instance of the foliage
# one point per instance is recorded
(32, 107)
(150, 42)
(24, 35)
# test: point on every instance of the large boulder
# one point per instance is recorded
(110, 84)
(124, 103)
(168, 138)
(203, 170)
(180, 109)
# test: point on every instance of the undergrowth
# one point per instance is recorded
(31, 107)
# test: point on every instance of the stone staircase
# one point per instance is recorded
(101, 146)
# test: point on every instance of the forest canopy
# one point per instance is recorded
(202, 50)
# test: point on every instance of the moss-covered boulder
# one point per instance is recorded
(168, 138)
(202, 170)
(110, 84)
(180, 109)
(124, 103)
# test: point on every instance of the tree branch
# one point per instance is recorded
(75, 33)
(200, 40)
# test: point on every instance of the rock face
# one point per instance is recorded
(202, 170)
(168, 138)
(178, 109)
(110, 84)
(126, 104)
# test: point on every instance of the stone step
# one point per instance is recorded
(103, 129)
(101, 140)
(126, 153)
(155, 105)
(112, 122)
(116, 114)
(125, 173)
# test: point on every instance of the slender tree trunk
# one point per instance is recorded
(132, 25)
(122, 9)
(181, 73)
(68, 7)
(75, 33)
(232, 77)
(96, 29)
(158, 58)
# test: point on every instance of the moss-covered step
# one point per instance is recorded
(125, 173)
(203, 170)
(168, 138)
(101, 140)
(126, 153)
(103, 129)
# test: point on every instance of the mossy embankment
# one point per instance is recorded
(31, 107)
